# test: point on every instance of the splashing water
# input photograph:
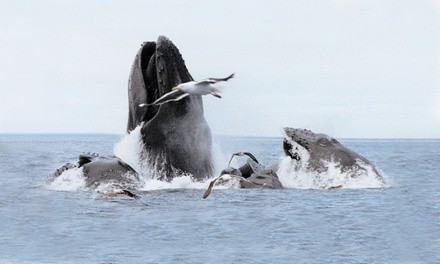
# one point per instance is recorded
(130, 149)
(294, 175)
(70, 180)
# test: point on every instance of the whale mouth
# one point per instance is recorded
(295, 144)
(158, 66)
(291, 151)
(150, 80)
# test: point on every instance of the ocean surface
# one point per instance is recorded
(43, 221)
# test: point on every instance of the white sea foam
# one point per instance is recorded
(181, 182)
(130, 148)
(220, 159)
(292, 173)
(70, 180)
(297, 176)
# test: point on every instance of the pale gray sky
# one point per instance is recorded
(349, 68)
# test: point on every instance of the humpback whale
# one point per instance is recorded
(249, 175)
(315, 153)
(175, 135)
(120, 176)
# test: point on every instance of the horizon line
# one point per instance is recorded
(214, 135)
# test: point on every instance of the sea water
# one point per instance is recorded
(43, 221)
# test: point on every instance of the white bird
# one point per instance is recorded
(221, 177)
(194, 88)
(242, 154)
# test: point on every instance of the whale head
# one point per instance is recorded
(175, 135)
(317, 151)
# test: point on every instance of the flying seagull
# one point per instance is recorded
(197, 88)
(243, 154)
(221, 177)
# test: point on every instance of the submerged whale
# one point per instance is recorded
(316, 154)
(120, 177)
(250, 175)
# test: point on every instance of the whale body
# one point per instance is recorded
(176, 136)
(325, 159)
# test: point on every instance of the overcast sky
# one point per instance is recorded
(348, 68)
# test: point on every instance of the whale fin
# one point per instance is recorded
(85, 158)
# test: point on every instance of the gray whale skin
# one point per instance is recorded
(176, 137)
(315, 151)
(98, 169)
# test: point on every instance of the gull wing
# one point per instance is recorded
(213, 182)
(215, 80)
(130, 194)
(209, 190)
(251, 156)
(242, 154)
(174, 95)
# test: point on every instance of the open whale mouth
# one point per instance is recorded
(291, 151)
(295, 144)
(149, 79)
(158, 66)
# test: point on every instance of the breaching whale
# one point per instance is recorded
(176, 136)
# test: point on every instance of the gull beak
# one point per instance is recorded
(175, 88)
